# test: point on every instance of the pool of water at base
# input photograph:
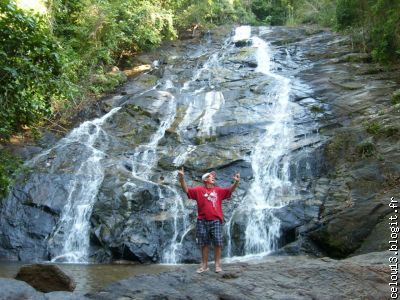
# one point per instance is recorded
(92, 277)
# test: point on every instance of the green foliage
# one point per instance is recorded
(374, 25)
(8, 165)
(366, 149)
(30, 69)
(96, 34)
(50, 64)
(102, 82)
(206, 13)
(390, 131)
(273, 12)
(317, 109)
(395, 99)
(321, 12)
(385, 31)
(347, 13)
(373, 128)
(379, 130)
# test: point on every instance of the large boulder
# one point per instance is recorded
(46, 278)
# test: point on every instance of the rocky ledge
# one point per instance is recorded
(291, 277)
(284, 277)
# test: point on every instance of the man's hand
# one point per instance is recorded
(181, 174)
(236, 177)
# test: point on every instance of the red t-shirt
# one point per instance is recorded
(209, 201)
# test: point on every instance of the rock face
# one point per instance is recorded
(206, 105)
(352, 101)
(288, 277)
(46, 278)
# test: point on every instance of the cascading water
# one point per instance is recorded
(72, 230)
(226, 114)
(269, 159)
(143, 161)
(145, 156)
(270, 164)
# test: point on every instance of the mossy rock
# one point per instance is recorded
(373, 127)
(395, 99)
(390, 131)
(243, 43)
(366, 148)
(199, 140)
(133, 110)
(339, 147)
(147, 80)
(317, 109)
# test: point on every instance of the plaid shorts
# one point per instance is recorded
(209, 231)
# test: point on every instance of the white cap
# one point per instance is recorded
(204, 176)
(207, 174)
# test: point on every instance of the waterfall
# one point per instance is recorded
(270, 164)
(73, 226)
(203, 105)
(181, 227)
(223, 107)
(213, 102)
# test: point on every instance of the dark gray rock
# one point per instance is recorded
(11, 289)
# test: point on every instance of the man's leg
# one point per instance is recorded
(217, 239)
(217, 257)
(204, 256)
(202, 240)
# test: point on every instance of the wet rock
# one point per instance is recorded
(354, 156)
(291, 277)
(46, 278)
(16, 289)
(65, 296)
(243, 43)
(344, 233)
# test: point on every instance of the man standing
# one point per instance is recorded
(210, 217)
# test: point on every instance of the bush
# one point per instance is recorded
(385, 32)
(347, 13)
(373, 25)
(207, 13)
(8, 165)
(30, 69)
(321, 12)
(272, 12)
(366, 149)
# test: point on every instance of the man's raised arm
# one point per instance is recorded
(181, 177)
(236, 180)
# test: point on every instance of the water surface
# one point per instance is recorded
(93, 277)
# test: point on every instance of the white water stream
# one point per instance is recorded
(270, 163)
(73, 225)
